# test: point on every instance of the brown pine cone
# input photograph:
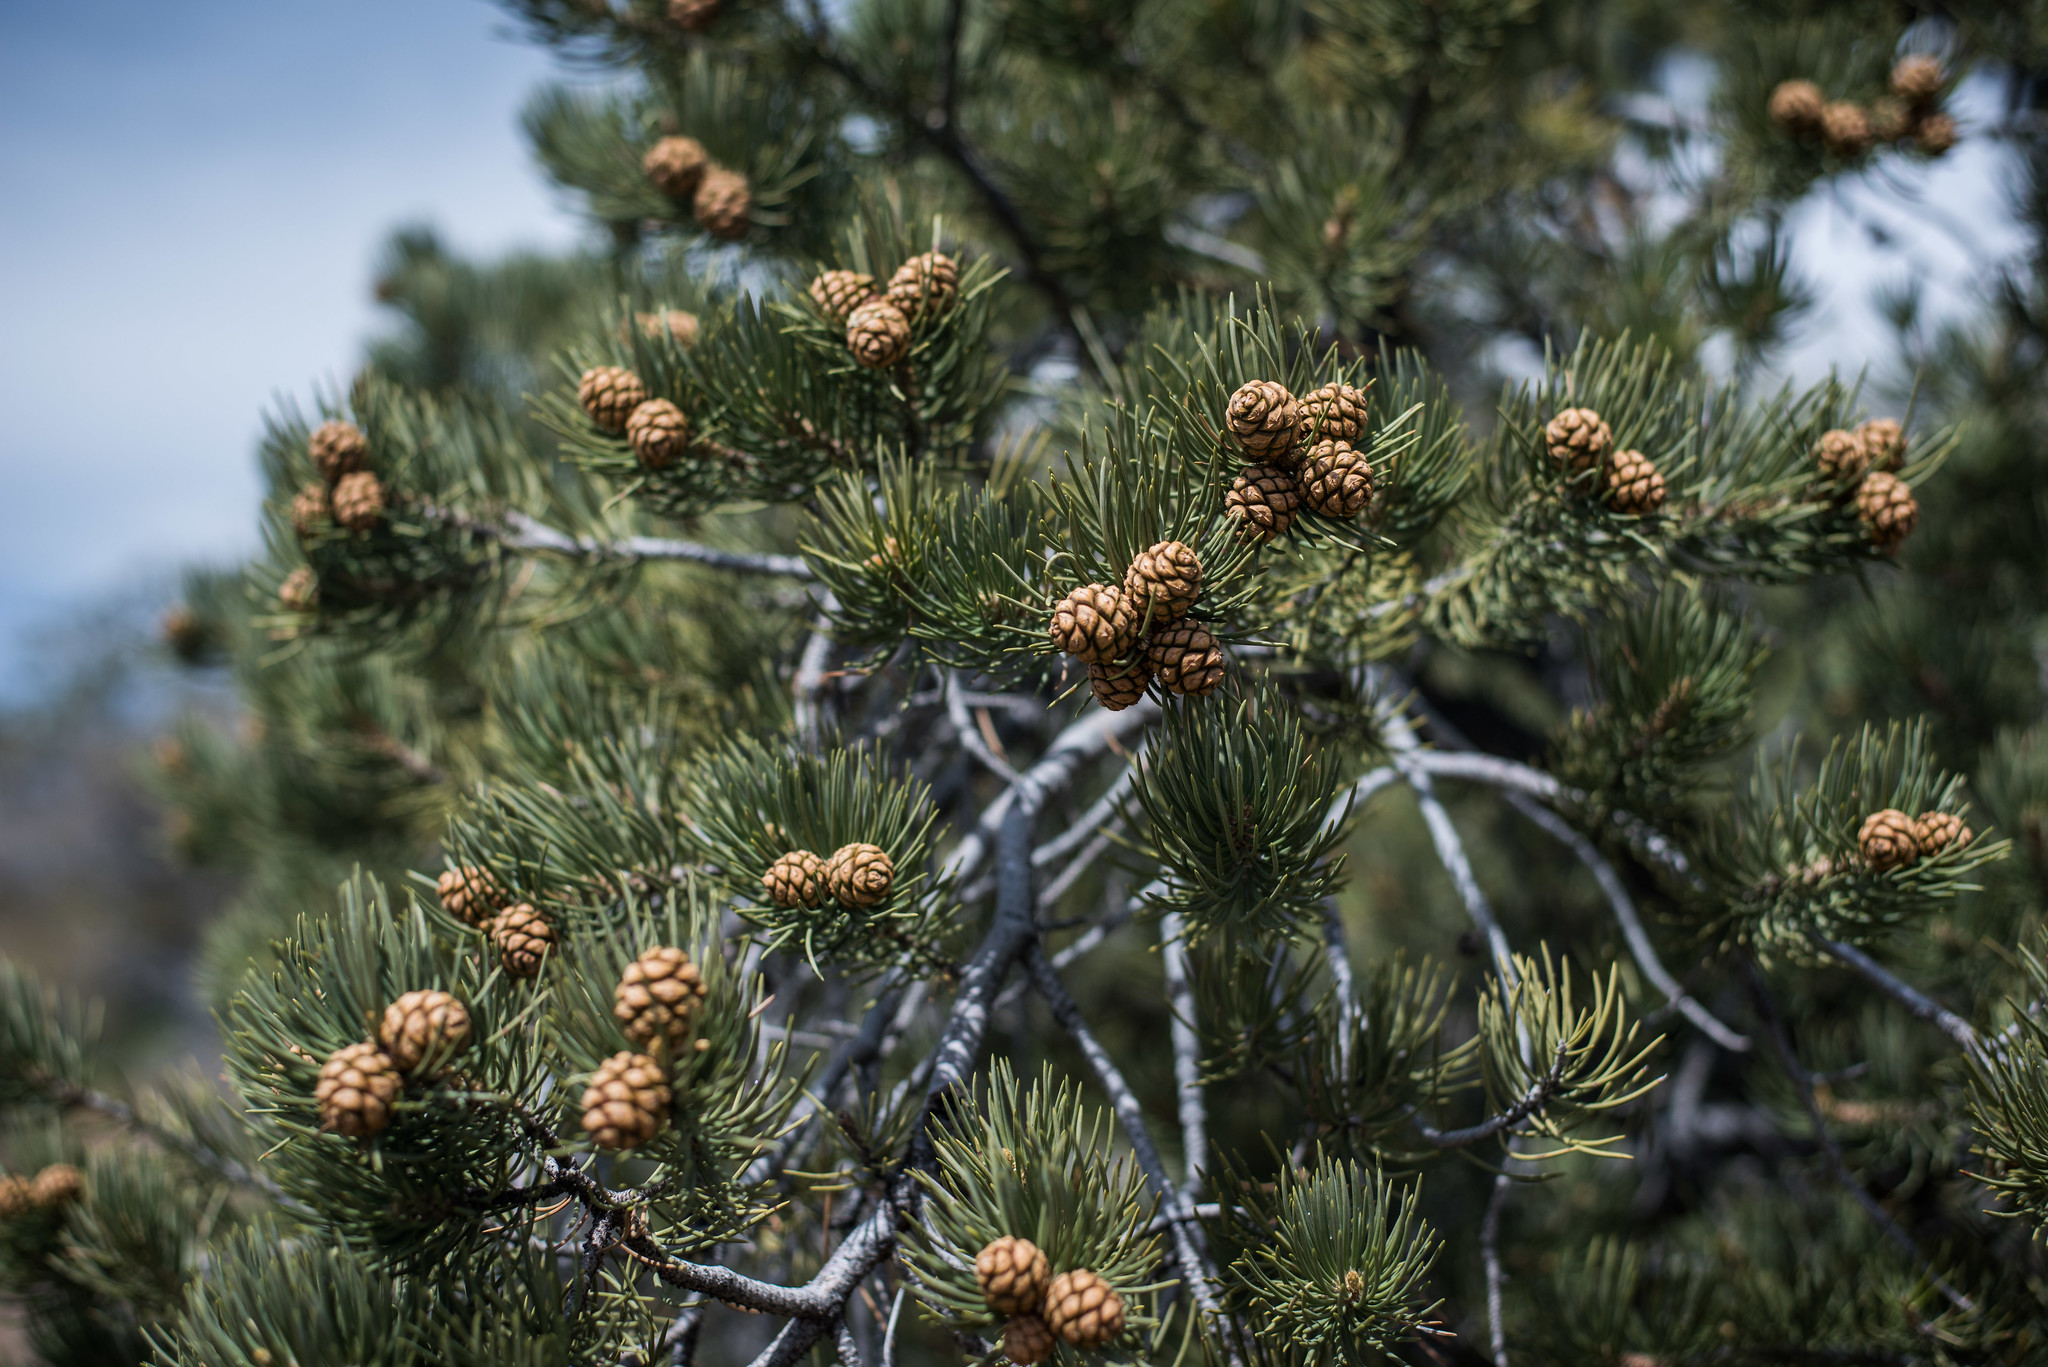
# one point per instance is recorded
(1012, 1273)
(1938, 831)
(337, 448)
(469, 894)
(1634, 485)
(1796, 107)
(1163, 582)
(1081, 1308)
(1578, 439)
(1121, 685)
(724, 204)
(300, 591)
(358, 501)
(1336, 481)
(1262, 502)
(626, 1103)
(423, 1027)
(859, 875)
(676, 166)
(1026, 1340)
(877, 334)
(692, 16)
(797, 879)
(1884, 443)
(1094, 623)
(657, 998)
(1888, 840)
(1935, 134)
(57, 1185)
(1890, 512)
(659, 432)
(524, 938)
(1841, 455)
(17, 1197)
(357, 1087)
(1336, 412)
(1266, 420)
(1917, 80)
(609, 394)
(311, 508)
(679, 324)
(926, 284)
(1185, 659)
(839, 293)
(1845, 129)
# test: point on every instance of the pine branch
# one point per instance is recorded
(1489, 1253)
(524, 533)
(121, 1112)
(1914, 1000)
(1529, 1103)
(1187, 1053)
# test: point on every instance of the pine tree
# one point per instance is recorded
(989, 735)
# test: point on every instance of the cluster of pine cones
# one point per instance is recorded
(346, 494)
(522, 936)
(360, 1084)
(1579, 440)
(1865, 459)
(1911, 113)
(656, 1004)
(857, 876)
(48, 1192)
(1130, 636)
(878, 322)
(718, 196)
(1892, 840)
(617, 401)
(1298, 451)
(1076, 1307)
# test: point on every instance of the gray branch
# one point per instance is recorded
(524, 533)
(1187, 1053)
(1489, 1250)
(1908, 996)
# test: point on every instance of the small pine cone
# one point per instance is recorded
(1796, 107)
(724, 204)
(678, 324)
(57, 1185)
(692, 16)
(1117, 686)
(1938, 831)
(1163, 582)
(469, 894)
(1094, 623)
(1634, 485)
(357, 1086)
(657, 998)
(1266, 420)
(1027, 1340)
(797, 879)
(337, 448)
(1890, 512)
(1935, 134)
(1845, 129)
(1884, 443)
(925, 285)
(627, 1102)
(1917, 80)
(1012, 1273)
(859, 875)
(676, 166)
(839, 293)
(1262, 501)
(300, 591)
(1841, 455)
(1081, 1308)
(1888, 840)
(17, 1197)
(1578, 439)
(423, 1027)
(358, 501)
(1185, 659)
(659, 432)
(878, 334)
(1890, 120)
(1336, 412)
(524, 938)
(311, 508)
(1336, 480)
(609, 394)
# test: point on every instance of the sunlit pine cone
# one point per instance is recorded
(1845, 129)
(1081, 1308)
(693, 16)
(878, 334)
(300, 591)
(1262, 502)
(357, 1087)
(839, 293)
(1094, 623)
(469, 894)
(1336, 412)
(859, 875)
(1917, 80)
(1163, 582)
(1012, 1274)
(1336, 479)
(797, 879)
(312, 507)
(1796, 107)
(1578, 439)
(659, 432)
(1266, 420)
(57, 1185)
(358, 501)
(1634, 485)
(678, 324)
(1888, 840)
(676, 166)
(657, 998)
(337, 448)
(524, 939)
(1185, 659)
(1884, 442)
(1938, 831)
(724, 204)
(627, 1101)
(1935, 134)
(609, 394)
(1889, 510)
(1119, 685)
(1841, 455)
(926, 285)
(1027, 1340)
(423, 1027)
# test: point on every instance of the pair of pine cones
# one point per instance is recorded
(1890, 839)
(878, 323)
(1076, 1307)
(50, 1190)
(857, 876)
(1301, 452)
(617, 401)
(656, 1005)
(1910, 113)
(522, 936)
(1866, 458)
(359, 1085)
(1129, 636)
(345, 493)
(1580, 440)
(719, 197)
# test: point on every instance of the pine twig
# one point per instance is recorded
(1489, 1250)
(1187, 1053)
(1908, 996)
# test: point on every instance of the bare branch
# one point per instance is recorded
(1187, 1054)
(1489, 1250)
(1914, 1000)
(522, 532)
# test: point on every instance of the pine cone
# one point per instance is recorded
(676, 166)
(1336, 481)
(358, 501)
(1845, 129)
(1185, 659)
(1578, 439)
(838, 293)
(311, 507)
(300, 591)
(469, 894)
(679, 324)
(17, 1197)
(1336, 412)
(524, 938)
(657, 998)
(1634, 485)
(1266, 420)
(1917, 80)
(927, 284)
(1262, 502)
(423, 1027)
(1884, 443)
(724, 204)
(859, 875)
(797, 879)
(1796, 107)
(627, 1102)
(877, 334)
(1012, 1273)
(659, 433)
(1094, 623)
(337, 448)
(1935, 134)
(1888, 840)
(1938, 831)
(1026, 1340)
(1117, 686)
(57, 1185)
(1841, 455)
(357, 1086)
(692, 16)
(609, 394)
(1081, 1308)
(1890, 512)
(1163, 582)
